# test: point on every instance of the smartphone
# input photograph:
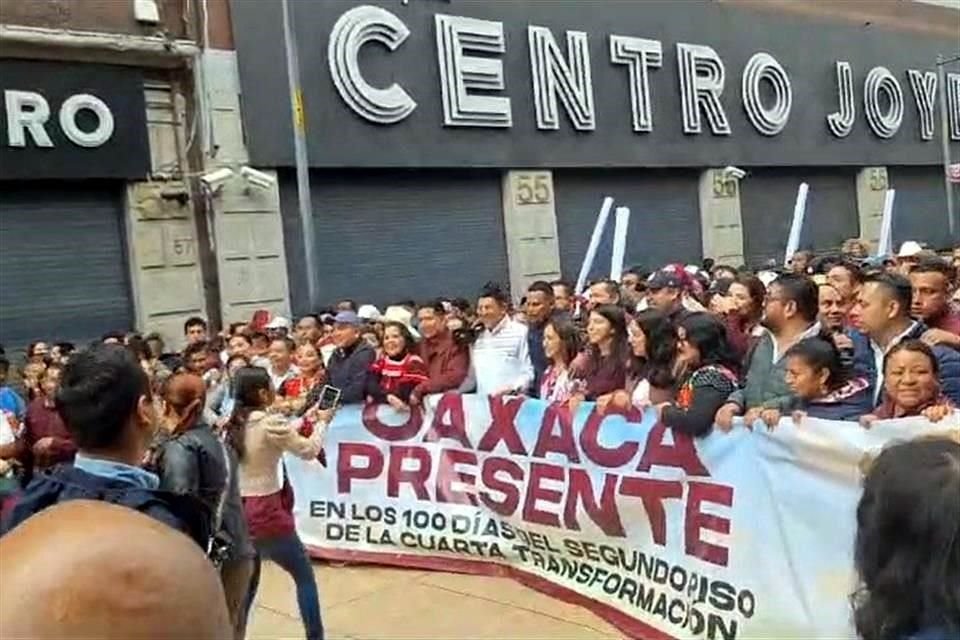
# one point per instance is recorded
(329, 397)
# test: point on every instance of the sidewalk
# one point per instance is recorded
(367, 602)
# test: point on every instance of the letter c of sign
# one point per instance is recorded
(352, 30)
(68, 120)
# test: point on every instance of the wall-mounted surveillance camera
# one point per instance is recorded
(216, 179)
(734, 173)
(258, 179)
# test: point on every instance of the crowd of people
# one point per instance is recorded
(194, 438)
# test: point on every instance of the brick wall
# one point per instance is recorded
(111, 16)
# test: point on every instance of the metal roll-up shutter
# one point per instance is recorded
(385, 236)
(920, 206)
(664, 217)
(767, 199)
(63, 265)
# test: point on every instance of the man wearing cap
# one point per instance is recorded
(665, 293)
(369, 313)
(350, 362)
(278, 327)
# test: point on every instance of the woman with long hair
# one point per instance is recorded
(707, 370)
(194, 462)
(907, 549)
(561, 343)
(260, 439)
(602, 366)
(397, 370)
(653, 343)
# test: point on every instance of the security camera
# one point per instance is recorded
(734, 173)
(258, 178)
(216, 179)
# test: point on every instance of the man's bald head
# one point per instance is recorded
(85, 569)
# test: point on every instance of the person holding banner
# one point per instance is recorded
(446, 359)
(260, 439)
(650, 380)
(561, 344)
(822, 384)
(790, 315)
(500, 357)
(398, 371)
(602, 366)
(707, 367)
(907, 549)
(911, 385)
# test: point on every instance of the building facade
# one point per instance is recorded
(112, 112)
(456, 142)
(449, 143)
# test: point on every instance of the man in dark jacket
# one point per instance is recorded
(104, 399)
(884, 310)
(350, 363)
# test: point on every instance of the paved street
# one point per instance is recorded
(374, 602)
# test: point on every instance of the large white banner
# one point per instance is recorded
(740, 535)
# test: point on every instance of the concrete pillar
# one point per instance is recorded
(247, 226)
(872, 185)
(721, 226)
(530, 226)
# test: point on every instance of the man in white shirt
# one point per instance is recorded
(500, 359)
